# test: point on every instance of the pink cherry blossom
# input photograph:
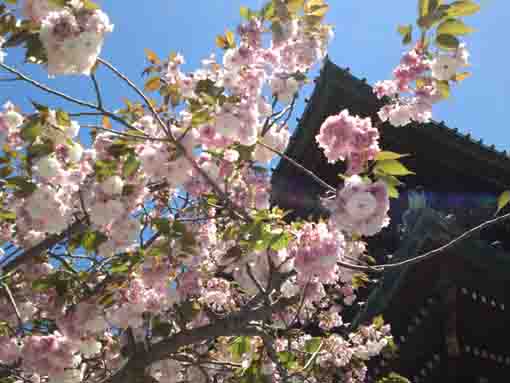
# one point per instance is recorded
(360, 207)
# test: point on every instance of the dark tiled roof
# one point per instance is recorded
(337, 89)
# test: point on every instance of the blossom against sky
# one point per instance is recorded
(365, 41)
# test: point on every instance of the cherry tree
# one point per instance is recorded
(153, 253)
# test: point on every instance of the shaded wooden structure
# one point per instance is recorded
(448, 313)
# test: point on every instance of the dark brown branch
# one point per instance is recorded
(76, 228)
(234, 324)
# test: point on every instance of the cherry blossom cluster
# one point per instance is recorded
(37, 10)
(246, 70)
(10, 122)
(179, 230)
(72, 36)
(316, 253)
(360, 207)
(361, 346)
(414, 67)
(349, 137)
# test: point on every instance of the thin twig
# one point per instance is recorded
(256, 281)
(97, 90)
(46, 88)
(243, 214)
(123, 134)
(66, 97)
(452, 243)
(299, 166)
(275, 117)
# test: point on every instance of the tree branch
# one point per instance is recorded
(77, 227)
(299, 166)
(234, 324)
(177, 142)
(97, 90)
(13, 304)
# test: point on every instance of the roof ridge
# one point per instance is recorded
(439, 124)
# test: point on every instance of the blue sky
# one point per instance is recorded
(365, 40)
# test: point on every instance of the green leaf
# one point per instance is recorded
(387, 155)
(423, 8)
(200, 117)
(447, 42)
(288, 360)
(392, 167)
(152, 84)
(406, 31)
(229, 35)
(280, 241)
(35, 51)
(162, 224)
(312, 345)
(444, 88)
(462, 8)
(434, 5)
(378, 321)
(359, 280)
(239, 347)
(58, 3)
(245, 12)
(42, 284)
(105, 169)
(90, 5)
(63, 118)
(268, 12)
(393, 378)
(31, 130)
(503, 200)
(119, 268)
(161, 329)
(91, 240)
(40, 150)
(7, 215)
(130, 166)
(454, 27)
(294, 6)
(22, 184)
(316, 8)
